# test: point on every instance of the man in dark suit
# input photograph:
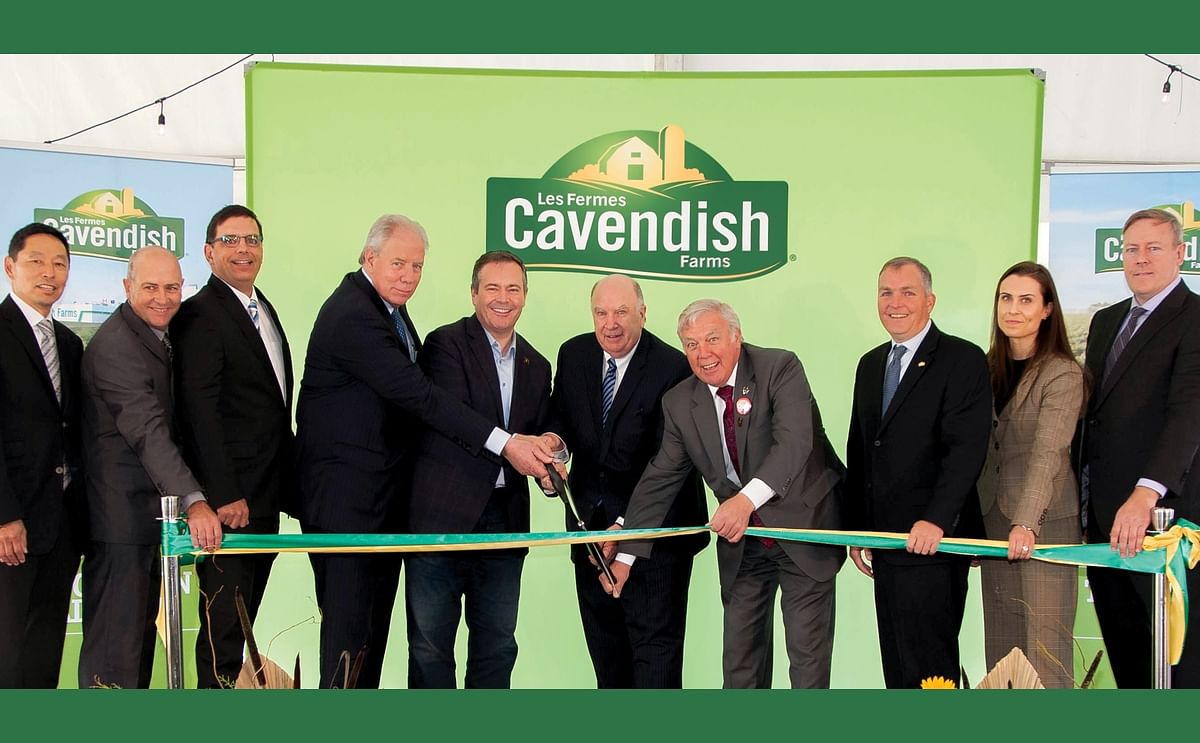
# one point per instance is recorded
(607, 408)
(361, 401)
(1140, 438)
(133, 459)
(482, 361)
(748, 422)
(918, 438)
(233, 372)
(41, 480)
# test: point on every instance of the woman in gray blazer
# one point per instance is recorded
(1027, 489)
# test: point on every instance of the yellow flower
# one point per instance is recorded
(937, 682)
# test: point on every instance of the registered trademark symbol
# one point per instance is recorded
(792, 257)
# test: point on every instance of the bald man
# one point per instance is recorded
(132, 460)
(637, 641)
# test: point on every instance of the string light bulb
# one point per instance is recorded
(162, 119)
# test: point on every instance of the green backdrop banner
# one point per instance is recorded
(780, 193)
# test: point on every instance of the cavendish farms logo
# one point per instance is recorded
(643, 203)
(1109, 242)
(111, 224)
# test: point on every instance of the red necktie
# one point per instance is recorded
(726, 394)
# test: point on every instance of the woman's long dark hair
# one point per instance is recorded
(1052, 337)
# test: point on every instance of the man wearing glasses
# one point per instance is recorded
(234, 402)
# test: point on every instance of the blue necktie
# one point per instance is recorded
(610, 386)
(253, 309)
(891, 378)
(402, 331)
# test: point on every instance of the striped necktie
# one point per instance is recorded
(49, 349)
(610, 387)
(252, 308)
(1118, 346)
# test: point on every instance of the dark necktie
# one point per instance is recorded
(891, 378)
(1118, 346)
(166, 341)
(49, 349)
(402, 331)
(726, 394)
(610, 387)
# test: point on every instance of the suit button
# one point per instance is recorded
(997, 446)
(995, 424)
(878, 443)
(58, 470)
(1094, 423)
(64, 424)
(997, 469)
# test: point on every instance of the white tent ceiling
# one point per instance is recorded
(1099, 108)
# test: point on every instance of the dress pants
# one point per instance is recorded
(749, 621)
(636, 641)
(121, 587)
(919, 609)
(34, 599)
(220, 641)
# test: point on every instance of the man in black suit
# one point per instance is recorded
(133, 459)
(482, 361)
(361, 403)
(747, 420)
(607, 408)
(233, 372)
(41, 480)
(918, 438)
(1140, 438)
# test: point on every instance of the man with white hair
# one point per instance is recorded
(363, 400)
(747, 420)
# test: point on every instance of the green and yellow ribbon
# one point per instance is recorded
(1172, 552)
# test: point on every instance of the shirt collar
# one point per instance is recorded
(237, 293)
(390, 307)
(1153, 302)
(912, 344)
(510, 354)
(624, 359)
(31, 315)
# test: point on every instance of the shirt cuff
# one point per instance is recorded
(496, 442)
(758, 492)
(186, 501)
(1154, 485)
(626, 558)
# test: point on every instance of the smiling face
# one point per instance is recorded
(1020, 308)
(712, 348)
(39, 272)
(237, 266)
(1151, 258)
(155, 286)
(499, 298)
(396, 269)
(618, 314)
(904, 304)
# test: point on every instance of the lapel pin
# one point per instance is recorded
(920, 363)
(742, 406)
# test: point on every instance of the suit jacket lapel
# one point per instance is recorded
(287, 350)
(708, 426)
(744, 386)
(412, 331)
(912, 376)
(872, 401)
(633, 372)
(1019, 395)
(481, 348)
(594, 364)
(28, 340)
(1171, 306)
(144, 334)
(229, 302)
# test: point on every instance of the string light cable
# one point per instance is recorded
(162, 119)
(1171, 70)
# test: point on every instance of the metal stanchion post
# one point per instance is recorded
(1161, 522)
(174, 613)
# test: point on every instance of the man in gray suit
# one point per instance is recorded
(748, 422)
(132, 460)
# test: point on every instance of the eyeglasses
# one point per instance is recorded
(231, 241)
